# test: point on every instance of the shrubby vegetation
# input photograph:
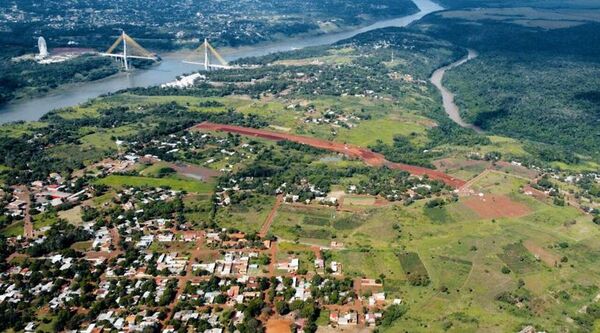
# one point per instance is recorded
(293, 166)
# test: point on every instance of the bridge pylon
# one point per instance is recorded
(209, 52)
(130, 50)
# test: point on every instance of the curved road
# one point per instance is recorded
(448, 97)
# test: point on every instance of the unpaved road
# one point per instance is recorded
(369, 157)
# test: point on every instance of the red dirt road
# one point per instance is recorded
(369, 157)
(271, 217)
(23, 194)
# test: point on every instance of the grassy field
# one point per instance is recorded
(369, 131)
(44, 220)
(14, 229)
(198, 208)
(370, 264)
(464, 260)
(82, 246)
(104, 138)
(350, 200)
(17, 130)
(191, 186)
(72, 215)
(247, 216)
(304, 253)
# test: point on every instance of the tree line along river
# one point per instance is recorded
(172, 65)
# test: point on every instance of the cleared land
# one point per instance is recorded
(368, 156)
(495, 206)
(192, 186)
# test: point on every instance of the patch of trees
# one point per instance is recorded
(589, 185)
(452, 134)
(393, 313)
(205, 89)
(393, 185)
(162, 209)
(211, 104)
(421, 53)
(403, 151)
(589, 317)
(25, 78)
(438, 202)
(60, 236)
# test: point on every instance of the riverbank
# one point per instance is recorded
(172, 66)
(447, 96)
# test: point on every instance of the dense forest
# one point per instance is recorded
(528, 83)
(26, 78)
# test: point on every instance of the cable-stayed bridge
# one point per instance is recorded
(128, 48)
(209, 54)
(125, 48)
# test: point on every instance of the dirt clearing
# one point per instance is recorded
(278, 325)
(549, 258)
(495, 206)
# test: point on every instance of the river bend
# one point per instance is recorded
(447, 96)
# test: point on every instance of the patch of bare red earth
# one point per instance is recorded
(23, 194)
(369, 157)
(492, 206)
(279, 325)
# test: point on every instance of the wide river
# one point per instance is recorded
(172, 66)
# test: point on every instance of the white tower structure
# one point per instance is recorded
(43, 48)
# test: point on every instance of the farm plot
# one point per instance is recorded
(356, 200)
(369, 264)
(548, 257)
(451, 273)
(519, 259)
(314, 225)
(416, 273)
(248, 215)
(191, 186)
(495, 206)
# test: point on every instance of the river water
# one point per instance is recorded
(172, 66)
(447, 96)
